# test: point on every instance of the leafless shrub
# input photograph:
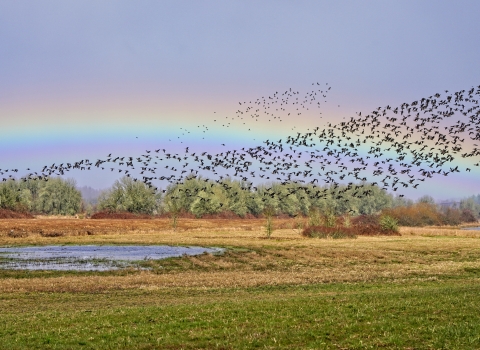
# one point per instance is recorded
(17, 234)
(52, 234)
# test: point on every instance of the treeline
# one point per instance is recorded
(55, 196)
(203, 197)
(196, 195)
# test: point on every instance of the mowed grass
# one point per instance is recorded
(417, 291)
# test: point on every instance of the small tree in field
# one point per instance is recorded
(174, 208)
(269, 212)
(314, 217)
(329, 219)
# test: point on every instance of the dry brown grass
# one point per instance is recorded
(79, 227)
(286, 258)
(432, 231)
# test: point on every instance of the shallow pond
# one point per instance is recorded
(90, 257)
(471, 228)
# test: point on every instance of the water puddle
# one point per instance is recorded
(90, 257)
(471, 228)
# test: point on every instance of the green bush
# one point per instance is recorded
(12, 197)
(59, 197)
(387, 223)
(347, 220)
(329, 232)
(128, 195)
(329, 219)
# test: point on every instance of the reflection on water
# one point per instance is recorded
(90, 257)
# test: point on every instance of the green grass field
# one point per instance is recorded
(408, 292)
(442, 314)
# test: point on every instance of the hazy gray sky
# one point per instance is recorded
(371, 47)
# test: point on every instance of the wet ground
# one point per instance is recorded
(90, 257)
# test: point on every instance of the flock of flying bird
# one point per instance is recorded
(397, 147)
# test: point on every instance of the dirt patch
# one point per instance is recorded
(10, 214)
(228, 215)
(121, 215)
(86, 227)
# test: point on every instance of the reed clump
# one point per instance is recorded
(346, 227)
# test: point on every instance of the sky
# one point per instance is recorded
(83, 79)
